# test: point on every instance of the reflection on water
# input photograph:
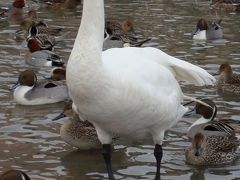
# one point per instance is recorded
(30, 141)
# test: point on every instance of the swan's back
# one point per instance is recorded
(143, 57)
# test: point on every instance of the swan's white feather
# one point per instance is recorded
(182, 70)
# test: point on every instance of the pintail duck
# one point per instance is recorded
(205, 30)
(36, 55)
(14, 175)
(46, 40)
(225, 5)
(29, 91)
(58, 74)
(77, 132)
(228, 81)
(214, 142)
(111, 41)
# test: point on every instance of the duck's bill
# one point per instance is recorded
(14, 86)
(190, 113)
(47, 77)
(60, 116)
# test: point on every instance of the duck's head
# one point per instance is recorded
(33, 45)
(202, 24)
(67, 111)
(208, 112)
(26, 78)
(57, 74)
(127, 26)
(194, 154)
(32, 14)
(225, 71)
(19, 4)
(14, 174)
(199, 33)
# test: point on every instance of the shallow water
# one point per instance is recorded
(30, 141)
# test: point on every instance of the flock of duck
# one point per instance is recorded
(124, 84)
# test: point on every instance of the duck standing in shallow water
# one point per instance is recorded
(214, 142)
(132, 93)
(205, 30)
(27, 91)
(228, 81)
(78, 133)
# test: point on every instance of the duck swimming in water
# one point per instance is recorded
(29, 91)
(214, 142)
(228, 81)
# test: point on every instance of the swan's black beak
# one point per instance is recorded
(60, 116)
(14, 86)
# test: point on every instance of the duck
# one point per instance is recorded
(112, 42)
(205, 30)
(227, 81)
(14, 175)
(47, 41)
(214, 142)
(29, 91)
(225, 5)
(58, 74)
(39, 56)
(126, 26)
(67, 4)
(76, 132)
(133, 86)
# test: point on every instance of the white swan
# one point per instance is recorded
(131, 92)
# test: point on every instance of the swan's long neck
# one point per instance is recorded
(85, 62)
(91, 31)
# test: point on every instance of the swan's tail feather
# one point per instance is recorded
(190, 73)
(182, 70)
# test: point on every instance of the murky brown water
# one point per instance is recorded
(30, 141)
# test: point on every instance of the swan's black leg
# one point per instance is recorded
(158, 155)
(107, 158)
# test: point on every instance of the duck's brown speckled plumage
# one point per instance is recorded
(227, 80)
(214, 142)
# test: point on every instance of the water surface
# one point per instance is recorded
(30, 141)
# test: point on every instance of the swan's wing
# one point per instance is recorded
(182, 70)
